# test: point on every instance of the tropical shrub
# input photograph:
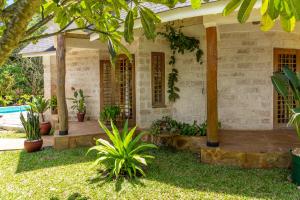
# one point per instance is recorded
(39, 105)
(24, 99)
(284, 82)
(169, 125)
(124, 154)
(31, 125)
(110, 113)
(78, 101)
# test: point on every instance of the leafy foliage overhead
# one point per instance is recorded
(288, 11)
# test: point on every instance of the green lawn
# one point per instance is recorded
(11, 134)
(51, 174)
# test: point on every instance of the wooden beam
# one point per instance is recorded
(61, 76)
(211, 84)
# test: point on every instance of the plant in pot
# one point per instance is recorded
(41, 105)
(31, 125)
(79, 104)
(53, 105)
(110, 113)
(284, 82)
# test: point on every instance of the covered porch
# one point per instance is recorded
(247, 149)
(235, 89)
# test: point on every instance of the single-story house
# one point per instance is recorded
(232, 85)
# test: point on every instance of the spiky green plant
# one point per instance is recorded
(283, 83)
(124, 153)
(31, 125)
(39, 105)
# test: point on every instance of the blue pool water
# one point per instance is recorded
(13, 109)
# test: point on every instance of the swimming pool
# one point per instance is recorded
(13, 109)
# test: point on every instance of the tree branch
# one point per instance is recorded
(16, 27)
(38, 25)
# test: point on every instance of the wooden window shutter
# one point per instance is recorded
(284, 58)
(158, 79)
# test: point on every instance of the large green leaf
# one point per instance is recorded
(149, 19)
(294, 82)
(272, 10)
(295, 120)
(296, 8)
(266, 22)
(128, 27)
(280, 85)
(288, 24)
(264, 7)
(231, 6)
(245, 10)
(196, 4)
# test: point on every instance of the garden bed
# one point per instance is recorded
(178, 142)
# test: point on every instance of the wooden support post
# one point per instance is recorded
(61, 76)
(211, 84)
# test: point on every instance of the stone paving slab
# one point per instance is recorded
(9, 144)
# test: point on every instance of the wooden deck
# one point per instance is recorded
(249, 149)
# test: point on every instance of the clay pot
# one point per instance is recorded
(32, 146)
(80, 117)
(45, 128)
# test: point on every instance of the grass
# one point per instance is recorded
(61, 175)
(11, 134)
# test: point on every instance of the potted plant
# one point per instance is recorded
(284, 83)
(41, 105)
(79, 104)
(53, 105)
(31, 125)
(109, 113)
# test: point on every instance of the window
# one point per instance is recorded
(158, 79)
(284, 58)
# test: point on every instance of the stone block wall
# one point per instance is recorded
(82, 68)
(245, 91)
(191, 105)
(49, 63)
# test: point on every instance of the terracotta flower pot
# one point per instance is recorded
(45, 128)
(32, 146)
(80, 117)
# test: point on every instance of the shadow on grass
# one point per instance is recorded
(179, 169)
(100, 180)
(183, 169)
(49, 157)
(74, 196)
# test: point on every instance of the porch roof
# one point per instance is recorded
(210, 9)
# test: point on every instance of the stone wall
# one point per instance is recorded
(49, 63)
(191, 105)
(245, 65)
(82, 68)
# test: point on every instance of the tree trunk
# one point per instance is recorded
(16, 26)
(61, 76)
